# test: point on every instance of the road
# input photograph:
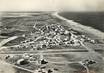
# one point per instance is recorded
(59, 57)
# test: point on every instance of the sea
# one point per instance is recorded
(92, 19)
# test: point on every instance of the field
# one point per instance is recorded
(41, 42)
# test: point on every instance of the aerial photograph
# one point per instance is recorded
(51, 36)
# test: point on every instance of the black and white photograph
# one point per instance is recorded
(51, 36)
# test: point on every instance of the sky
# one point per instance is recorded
(51, 5)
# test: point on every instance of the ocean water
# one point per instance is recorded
(93, 19)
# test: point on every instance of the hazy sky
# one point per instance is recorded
(52, 5)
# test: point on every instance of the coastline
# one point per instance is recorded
(79, 26)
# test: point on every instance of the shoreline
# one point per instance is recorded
(88, 29)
